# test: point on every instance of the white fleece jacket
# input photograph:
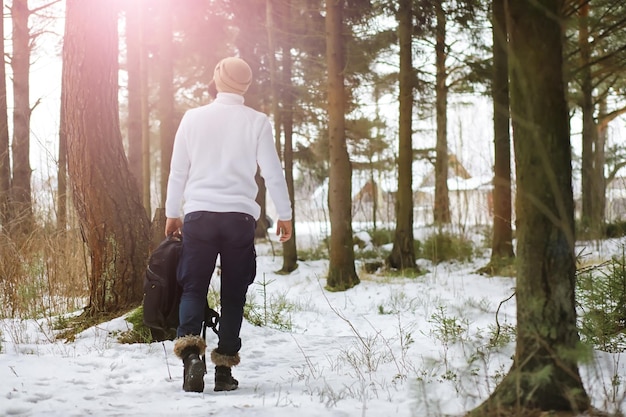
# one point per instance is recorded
(216, 152)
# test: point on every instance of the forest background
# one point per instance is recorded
(329, 75)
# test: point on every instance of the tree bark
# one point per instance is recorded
(341, 271)
(247, 42)
(290, 248)
(274, 102)
(5, 160)
(442, 199)
(167, 127)
(22, 210)
(112, 219)
(403, 252)
(144, 190)
(502, 243)
(62, 169)
(599, 160)
(134, 52)
(589, 131)
(290, 251)
(544, 375)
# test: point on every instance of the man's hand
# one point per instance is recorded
(173, 226)
(284, 230)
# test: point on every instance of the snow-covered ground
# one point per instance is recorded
(388, 347)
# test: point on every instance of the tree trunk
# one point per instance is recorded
(544, 375)
(502, 244)
(167, 129)
(601, 133)
(134, 52)
(589, 129)
(22, 210)
(113, 221)
(290, 252)
(442, 199)
(62, 169)
(247, 41)
(273, 105)
(375, 193)
(341, 271)
(145, 123)
(5, 160)
(270, 24)
(403, 253)
(261, 198)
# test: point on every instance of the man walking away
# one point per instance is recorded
(212, 185)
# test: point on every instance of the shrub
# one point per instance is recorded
(382, 237)
(615, 229)
(444, 246)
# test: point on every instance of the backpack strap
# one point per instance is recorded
(211, 319)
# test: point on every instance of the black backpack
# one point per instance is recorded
(161, 292)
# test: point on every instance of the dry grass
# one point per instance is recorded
(42, 274)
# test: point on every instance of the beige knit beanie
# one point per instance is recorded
(232, 75)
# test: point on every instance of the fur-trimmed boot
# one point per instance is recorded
(189, 349)
(224, 380)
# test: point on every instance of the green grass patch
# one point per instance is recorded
(139, 333)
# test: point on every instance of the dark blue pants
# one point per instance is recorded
(206, 235)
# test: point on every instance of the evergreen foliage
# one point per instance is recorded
(601, 296)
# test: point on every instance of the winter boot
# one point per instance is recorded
(224, 380)
(189, 349)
